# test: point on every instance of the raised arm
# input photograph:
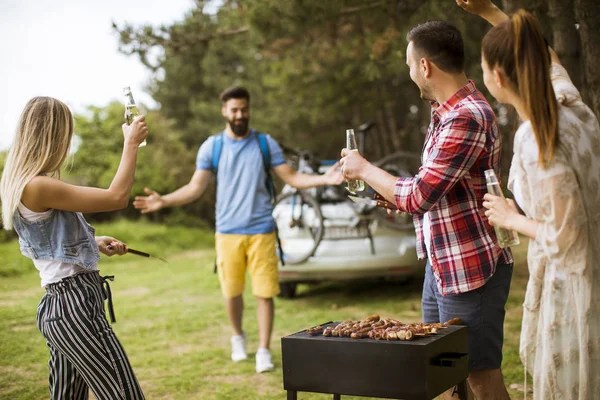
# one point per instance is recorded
(43, 192)
(492, 14)
(485, 9)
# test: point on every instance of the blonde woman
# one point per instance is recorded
(46, 214)
(555, 179)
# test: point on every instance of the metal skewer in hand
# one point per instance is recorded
(140, 253)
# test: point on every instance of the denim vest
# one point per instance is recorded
(64, 236)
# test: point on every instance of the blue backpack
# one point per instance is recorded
(266, 157)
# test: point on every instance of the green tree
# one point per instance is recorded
(4, 235)
(164, 165)
(315, 67)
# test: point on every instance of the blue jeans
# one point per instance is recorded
(482, 310)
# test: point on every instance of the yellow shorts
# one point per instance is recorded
(257, 254)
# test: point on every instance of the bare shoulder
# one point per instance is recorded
(42, 182)
(35, 190)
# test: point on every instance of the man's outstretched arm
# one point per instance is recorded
(184, 195)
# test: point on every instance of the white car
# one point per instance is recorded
(339, 241)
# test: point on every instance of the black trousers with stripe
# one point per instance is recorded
(84, 351)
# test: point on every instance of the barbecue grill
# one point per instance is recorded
(418, 369)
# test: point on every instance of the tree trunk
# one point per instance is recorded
(587, 13)
(565, 37)
(540, 9)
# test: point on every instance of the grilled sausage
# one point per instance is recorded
(317, 330)
(454, 321)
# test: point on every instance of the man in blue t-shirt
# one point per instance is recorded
(245, 237)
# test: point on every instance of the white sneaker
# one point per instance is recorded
(263, 361)
(238, 347)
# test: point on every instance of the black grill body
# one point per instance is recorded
(418, 369)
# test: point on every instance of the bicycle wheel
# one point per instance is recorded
(400, 164)
(300, 225)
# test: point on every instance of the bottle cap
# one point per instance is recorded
(490, 175)
(349, 131)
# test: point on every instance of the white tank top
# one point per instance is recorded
(51, 271)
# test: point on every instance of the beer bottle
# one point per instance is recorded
(131, 110)
(354, 185)
(505, 237)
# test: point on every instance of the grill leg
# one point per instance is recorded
(337, 397)
(292, 395)
(462, 391)
(371, 242)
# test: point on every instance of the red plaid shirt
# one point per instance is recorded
(450, 186)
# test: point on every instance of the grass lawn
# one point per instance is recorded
(172, 321)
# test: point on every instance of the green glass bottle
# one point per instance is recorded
(505, 237)
(354, 185)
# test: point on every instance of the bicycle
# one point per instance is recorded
(306, 217)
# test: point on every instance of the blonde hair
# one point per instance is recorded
(519, 48)
(40, 148)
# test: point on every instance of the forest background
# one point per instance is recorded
(314, 68)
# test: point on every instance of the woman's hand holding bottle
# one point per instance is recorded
(137, 132)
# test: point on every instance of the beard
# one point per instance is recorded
(426, 94)
(427, 97)
(424, 91)
(239, 126)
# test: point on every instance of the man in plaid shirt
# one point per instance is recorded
(467, 274)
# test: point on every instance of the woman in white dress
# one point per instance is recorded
(555, 179)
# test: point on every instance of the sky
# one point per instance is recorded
(67, 49)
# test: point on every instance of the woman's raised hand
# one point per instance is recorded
(137, 132)
(477, 7)
(485, 9)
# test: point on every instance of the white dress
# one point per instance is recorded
(560, 337)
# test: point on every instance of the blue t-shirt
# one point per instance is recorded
(243, 201)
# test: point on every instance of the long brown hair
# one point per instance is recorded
(40, 147)
(518, 47)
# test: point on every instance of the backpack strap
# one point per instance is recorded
(266, 156)
(264, 148)
(217, 147)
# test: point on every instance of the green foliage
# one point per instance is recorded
(4, 235)
(159, 239)
(314, 68)
(164, 165)
(163, 240)
(12, 263)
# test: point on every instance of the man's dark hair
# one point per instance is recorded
(441, 43)
(235, 92)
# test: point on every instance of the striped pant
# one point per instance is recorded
(84, 351)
